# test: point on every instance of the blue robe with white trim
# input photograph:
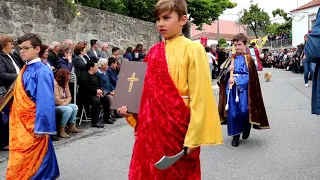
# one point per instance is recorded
(238, 109)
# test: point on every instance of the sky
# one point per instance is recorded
(267, 5)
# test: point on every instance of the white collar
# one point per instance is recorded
(33, 61)
(104, 73)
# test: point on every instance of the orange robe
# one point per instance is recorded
(30, 157)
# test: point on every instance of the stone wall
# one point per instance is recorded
(53, 21)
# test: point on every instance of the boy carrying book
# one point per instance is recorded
(178, 107)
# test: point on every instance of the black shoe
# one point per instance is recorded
(109, 121)
(55, 138)
(97, 125)
(235, 141)
(246, 134)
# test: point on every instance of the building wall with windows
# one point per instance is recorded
(303, 21)
(225, 27)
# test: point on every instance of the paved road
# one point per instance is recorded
(289, 150)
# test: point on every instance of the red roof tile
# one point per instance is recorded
(214, 36)
(308, 5)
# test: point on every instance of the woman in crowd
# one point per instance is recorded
(65, 56)
(137, 53)
(63, 98)
(43, 54)
(9, 70)
(128, 54)
(80, 60)
(211, 59)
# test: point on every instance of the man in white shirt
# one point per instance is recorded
(211, 59)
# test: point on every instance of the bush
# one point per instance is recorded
(222, 41)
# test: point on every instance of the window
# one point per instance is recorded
(312, 20)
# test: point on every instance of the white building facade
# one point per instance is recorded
(303, 20)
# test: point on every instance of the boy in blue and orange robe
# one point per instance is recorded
(32, 118)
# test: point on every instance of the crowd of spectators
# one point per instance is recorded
(85, 81)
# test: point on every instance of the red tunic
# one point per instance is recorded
(162, 126)
(260, 67)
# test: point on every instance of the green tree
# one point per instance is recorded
(201, 11)
(115, 6)
(255, 18)
(90, 3)
(222, 41)
(142, 9)
(281, 13)
(273, 28)
(206, 11)
(283, 27)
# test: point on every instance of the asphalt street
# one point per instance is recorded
(289, 150)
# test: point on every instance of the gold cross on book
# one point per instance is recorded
(131, 80)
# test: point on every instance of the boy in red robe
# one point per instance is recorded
(178, 108)
(256, 51)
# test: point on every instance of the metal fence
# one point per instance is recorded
(285, 43)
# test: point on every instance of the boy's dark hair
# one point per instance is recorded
(90, 64)
(33, 38)
(114, 49)
(111, 60)
(253, 44)
(93, 42)
(240, 37)
(208, 49)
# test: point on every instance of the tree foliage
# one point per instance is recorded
(276, 28)
(90, 3)
(255, 18)
(201, 11)
(281, 13)
(222, 41)
(273, 28)
(142, 9)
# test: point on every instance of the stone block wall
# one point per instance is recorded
(53, 21)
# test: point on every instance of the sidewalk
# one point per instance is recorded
(88, 131)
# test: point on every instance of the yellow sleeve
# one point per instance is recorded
(132, 121)
(204, 127)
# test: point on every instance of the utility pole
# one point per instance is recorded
(218, 30)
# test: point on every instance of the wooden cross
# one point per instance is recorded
(131, 80)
